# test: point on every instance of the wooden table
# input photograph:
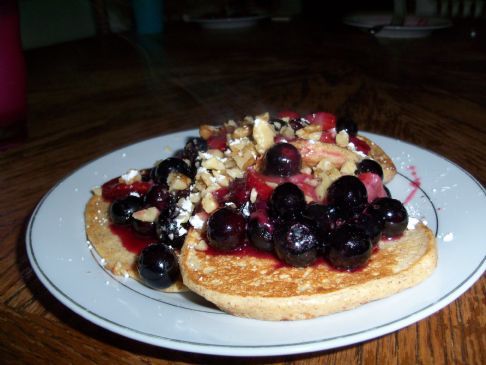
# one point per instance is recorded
(89, 97)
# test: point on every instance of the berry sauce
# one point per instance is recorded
(415, 184)
(130, 240)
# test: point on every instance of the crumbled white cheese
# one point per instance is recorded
(412, 222)
(196, 221)
(131, 176)
(448, 237)
(352, 147)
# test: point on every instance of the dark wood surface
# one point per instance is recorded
(89, 97)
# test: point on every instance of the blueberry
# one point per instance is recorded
(193, 147)
(226, 229)
(261, 230)
(143, 228)
(349, 193)
(324, 218)
(157, 265)
(348, 125)
(370, 225)
(159, 196)
(171, 233)
(349, 249)
(282, 159)
(368, 165)
(298, 123)
(392, 215)
(121, 210)
(287, 201)
(171, 164)
(296, 244)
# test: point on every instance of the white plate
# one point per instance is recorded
(452, 201)
(227, 23)
(414, 26)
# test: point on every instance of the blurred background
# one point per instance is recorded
(46, 22)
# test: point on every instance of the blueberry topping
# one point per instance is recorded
(348, 125)
(298, 123)
(226, 229)
(193, 147)
(368, 165)
(159, 196)
(296, 244)
(143, 228)
(171, 164)
(287, 201)
(349, 193)
(282, 159)
(170, 232)
(370, 225)
(349, 249)
(392, 215)
(324, 219)
(158, 266)
(260, 230)
(121, 210)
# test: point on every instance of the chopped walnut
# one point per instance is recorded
(263, 134)
(213, 163)
(147, 215)
(312, 132)
(243, 131)
(209, 203)
(342, 139)
(348, 168)
(177, 181)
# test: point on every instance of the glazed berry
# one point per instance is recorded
(171, 164)
(282, 159)
(368, 165)
(160, 197)
(349, 193)
(298, 123)
(349, 249)
(193, 147)
(370, 225)
(287, 201)
(157, 266)
(226, 229)
(296, 244)
(392, 214)
(121, 210)
(324, 219)
(261, 230)
(348, 125)
(170, 232)
(143, 228)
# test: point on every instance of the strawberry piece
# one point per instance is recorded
(360, 145)
(325, 120)
(374, 185)
(256, 181)
(328, 137)
(217, 142)
(301, 181)
(221, 194)
(288, 114)
(114, 189)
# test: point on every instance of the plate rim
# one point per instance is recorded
(241, 350)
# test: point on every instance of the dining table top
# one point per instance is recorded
(92, 96)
